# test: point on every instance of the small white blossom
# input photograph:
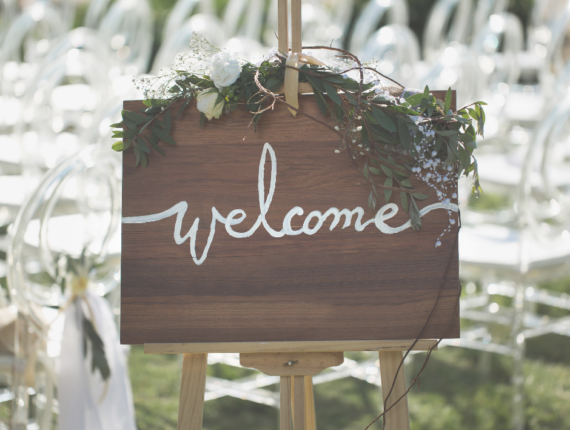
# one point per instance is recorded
(336, 151)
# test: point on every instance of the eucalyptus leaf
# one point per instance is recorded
(332, 93)
(387, 171)
(404, 200)
(166, 122)
(383, 120)
(321, 102)
(420, 196)
(387, 193)
(404, 134)
(154, 145)
(183, 107)
(135, 117)
(447, 104)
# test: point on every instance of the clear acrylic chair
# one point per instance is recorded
(244, 18)
(182, 11)
(483, 11)
(8, 11)
(30, 32)
(497, 47)
(396, 12)
(510, 260)
(456, 67)
(448, 21)
(397, 50)
(81, 195)
(25, 41)
(205, 25)
(58, 105)
(128, 29)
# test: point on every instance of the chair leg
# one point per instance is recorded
(518, 348)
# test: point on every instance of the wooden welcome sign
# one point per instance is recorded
(270, 239)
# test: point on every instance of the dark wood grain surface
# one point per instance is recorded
(333, 285)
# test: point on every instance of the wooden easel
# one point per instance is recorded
(295, 363)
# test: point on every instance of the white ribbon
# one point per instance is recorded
(81, 405)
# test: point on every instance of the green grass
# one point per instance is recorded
(460, 389)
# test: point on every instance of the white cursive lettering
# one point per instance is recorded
(237, 216)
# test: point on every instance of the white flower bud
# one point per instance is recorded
(207, 104)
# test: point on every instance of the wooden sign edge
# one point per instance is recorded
(294, 346)
(298, 346)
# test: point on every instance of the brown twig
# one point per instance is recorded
(453, 248)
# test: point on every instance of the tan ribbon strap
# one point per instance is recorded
(292, 83)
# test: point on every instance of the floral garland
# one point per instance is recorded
(400, 132)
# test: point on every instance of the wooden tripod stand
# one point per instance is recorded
(295, 363)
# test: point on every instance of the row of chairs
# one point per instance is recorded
(68, 87)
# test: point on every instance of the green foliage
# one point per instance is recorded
(98, 357)
(395, 135)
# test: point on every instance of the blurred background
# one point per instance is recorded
(66, 66)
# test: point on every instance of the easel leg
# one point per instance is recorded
(310, 418)
(285, 401)
(192, 389)
(299, 402)
(398, 417)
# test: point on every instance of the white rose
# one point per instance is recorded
(225, 69)
(207, 104)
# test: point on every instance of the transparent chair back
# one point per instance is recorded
(27, 39)
(549, 150)
(8, 11)
(206, 25)
(483, 11)
(497, 47)
(454, 15)
(397, 51)
(246, 48)
(96, 12)
(396, 12)
(128, 29)
(179, 14)
(456, 67)
(80, 195)
(247, 12)
(57, 107)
